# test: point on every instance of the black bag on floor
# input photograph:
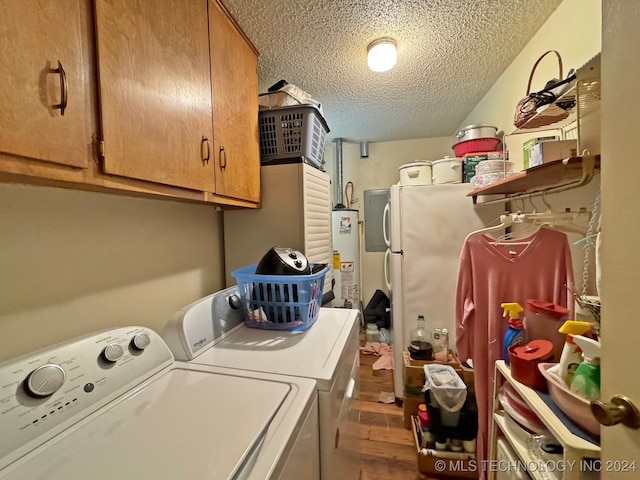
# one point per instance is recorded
(378, 310)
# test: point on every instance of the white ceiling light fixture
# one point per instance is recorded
(382, 54)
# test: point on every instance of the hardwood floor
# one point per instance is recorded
(386, 448)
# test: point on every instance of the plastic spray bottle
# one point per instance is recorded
(586, 380)
(515, 334)
(571, 354)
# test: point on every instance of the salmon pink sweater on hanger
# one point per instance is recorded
(491, 274)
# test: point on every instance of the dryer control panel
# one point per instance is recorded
(43, 393)
(204, 323)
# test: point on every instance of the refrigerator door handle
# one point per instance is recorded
(387, 254)
(385, 220)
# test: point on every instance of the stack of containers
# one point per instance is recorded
(451, 409)
(292, 126)
(488, 167)
(482, 163)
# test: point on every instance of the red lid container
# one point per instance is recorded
(542, 320)
(546, 308)
(524, 360)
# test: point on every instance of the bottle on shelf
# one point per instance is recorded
(420, 347)
(586, 380)
(515, 334)
(571, 355)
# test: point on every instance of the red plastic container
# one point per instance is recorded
(542, 319)
(488, 144)
(524, 360)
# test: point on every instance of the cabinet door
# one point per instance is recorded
(36, 35)
(234, 83)
(155, 90)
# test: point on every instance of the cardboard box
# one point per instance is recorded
(530, 144)
(431, 462)
(413, 372)
(481, 156)
(470, 160)
(414, 378)
(546, 152)
(467, 378)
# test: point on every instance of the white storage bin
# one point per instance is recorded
(416, 173)
(446, 390)
(447, 170)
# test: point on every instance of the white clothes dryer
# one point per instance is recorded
(115, 404)
(211, 331)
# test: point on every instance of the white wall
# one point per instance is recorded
(380, 170)
(73, 262)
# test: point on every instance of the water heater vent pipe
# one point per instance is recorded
(338, 191)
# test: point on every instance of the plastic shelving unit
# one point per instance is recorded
(575, 448)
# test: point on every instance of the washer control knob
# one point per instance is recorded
(112, 352)
(234, 302)
(140, 341)
(45, 380)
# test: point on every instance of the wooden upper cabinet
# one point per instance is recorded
(37, 37)
(154, 91)
(234, 86)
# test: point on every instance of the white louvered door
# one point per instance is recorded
(295, 212)
(316, 219)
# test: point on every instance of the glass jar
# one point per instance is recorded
(372, 334)
(420, 347)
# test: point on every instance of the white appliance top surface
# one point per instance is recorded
(314, 353)
(183, 423)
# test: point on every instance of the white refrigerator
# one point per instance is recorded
(425, 227)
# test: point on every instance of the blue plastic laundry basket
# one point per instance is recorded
(280, 302)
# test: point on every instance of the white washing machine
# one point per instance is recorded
(116, 405)
(211, 331)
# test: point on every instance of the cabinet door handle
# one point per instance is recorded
(63, 88)
(222, 155)
(205, 151)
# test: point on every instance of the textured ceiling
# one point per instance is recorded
(450, 52)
